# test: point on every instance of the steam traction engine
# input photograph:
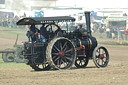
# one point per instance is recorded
(63, 48)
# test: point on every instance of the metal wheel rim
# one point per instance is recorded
(57, 58)
(101, 58)
(63, 57)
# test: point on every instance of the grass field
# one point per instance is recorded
(11, 64)
(12, 31)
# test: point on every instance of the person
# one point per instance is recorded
(50, 33)
(101, 30)
(43, 33)
(108, 32)
(33, 33)
(113, 34)
(80, 31)
(118, 33)
(125, 33)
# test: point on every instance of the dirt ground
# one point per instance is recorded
(116, 73)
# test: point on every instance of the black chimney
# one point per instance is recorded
(87, 17)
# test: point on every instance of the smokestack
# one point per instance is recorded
(87, 17)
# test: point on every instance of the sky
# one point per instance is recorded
(94, 3)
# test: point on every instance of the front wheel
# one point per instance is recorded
(100, 57)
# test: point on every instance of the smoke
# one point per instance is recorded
(16, 5)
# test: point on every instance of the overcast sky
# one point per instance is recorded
(94, 3)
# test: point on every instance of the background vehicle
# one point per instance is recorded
(63, 48)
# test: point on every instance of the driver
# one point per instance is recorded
(80, 31)
(43, 33)
(33, 33)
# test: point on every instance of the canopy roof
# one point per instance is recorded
(41, 20)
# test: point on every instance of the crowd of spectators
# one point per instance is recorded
(9, 21)
(114, 32)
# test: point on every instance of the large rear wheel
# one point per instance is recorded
(60, 53)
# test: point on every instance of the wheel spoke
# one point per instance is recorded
(43, 66)
(61, 61)
(61, 46)
(57, 58)
(56, 48)
(64, 45)
(102, 62)
(80, 63)
(64, 61)
(98, 60)
(54, 57)
(58, 62)
(65, 48)
(68, 58)
(55, 54)
(100, 50)
(68, 54)
(68, 50)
